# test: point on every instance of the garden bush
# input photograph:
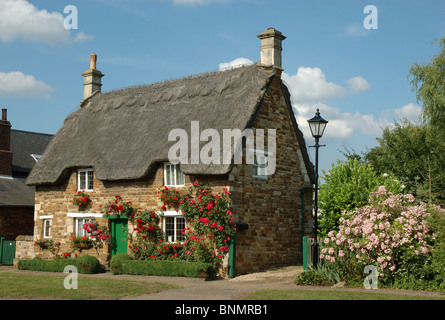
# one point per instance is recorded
(393, 234)
(39, 264)
(117, 261)
(84, 264)
(167, 268)
(87, 264)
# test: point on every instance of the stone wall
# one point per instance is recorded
(54, 202)
(24, 248)
(272, 206)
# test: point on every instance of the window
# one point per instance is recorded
(80, 231)
(85, 180)
(173, 227)
(46, 227)
(173, 176)
(36, 157)
(260, 163)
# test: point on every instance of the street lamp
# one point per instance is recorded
(317, 125)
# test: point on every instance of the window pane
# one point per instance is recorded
(90, 180)
(46, 226)
(79, 228)
(260, 165)
(82, 180)
(180, 225)
(169, 229)
(167, 173)
(179, 176)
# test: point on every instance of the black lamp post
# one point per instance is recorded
(317, 125)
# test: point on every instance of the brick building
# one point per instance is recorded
(19, 152)
(118, 143)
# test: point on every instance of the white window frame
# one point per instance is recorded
(80, 231)
(176, 217)
(257, 166)
(173, 180)
(88, 180)
(85, 218)
(46, 220)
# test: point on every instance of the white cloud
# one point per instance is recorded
(239, 62)
(410, 111)
(341, 124)
(21, 85)
(354, 30)
(310, 85)
(19, 19)
(358, 84)
(309, 89)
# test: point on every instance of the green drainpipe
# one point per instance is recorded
(232, 255)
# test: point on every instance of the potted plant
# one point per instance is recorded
(83, 242)
(81, 200)
(118, 208)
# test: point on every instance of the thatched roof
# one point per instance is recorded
(124, 133)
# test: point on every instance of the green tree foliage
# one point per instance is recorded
(428, 79)
(347, 186)
(415, 154)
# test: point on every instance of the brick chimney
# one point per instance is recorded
(5, 145)
(92, 79)
(271, 47)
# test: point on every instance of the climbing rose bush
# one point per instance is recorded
(391, 233)
(210, 223)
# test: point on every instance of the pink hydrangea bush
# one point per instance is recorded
(391, 233)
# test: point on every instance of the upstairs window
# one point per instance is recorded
(260, 164)
(173, 176)
(85, 180)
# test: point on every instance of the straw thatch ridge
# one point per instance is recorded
(123, 134)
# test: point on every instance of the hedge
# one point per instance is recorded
(84, 264)
(124, 264)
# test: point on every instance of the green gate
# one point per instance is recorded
(7, 252)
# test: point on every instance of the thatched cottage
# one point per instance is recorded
(118, 143)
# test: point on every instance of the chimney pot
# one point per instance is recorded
(93, 60)
(4, 114)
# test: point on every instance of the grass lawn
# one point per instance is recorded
(40, 286)
(314, 294)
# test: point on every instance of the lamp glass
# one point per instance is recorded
(317, 125)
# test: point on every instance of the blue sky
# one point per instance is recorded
(357, 77)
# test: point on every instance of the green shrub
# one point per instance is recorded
(312, 277)
(117, 261)
(38, 264)
(169, 268)
(87, 264)
(84, 264)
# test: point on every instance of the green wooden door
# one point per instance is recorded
(119, 236)
(7, 249)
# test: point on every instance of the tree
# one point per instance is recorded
(415, 154)
(428, 80)
(347, 186)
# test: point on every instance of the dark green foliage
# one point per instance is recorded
(117, 261)
(167, 268)
(87, 264)
(84, 264)
(347, 186)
